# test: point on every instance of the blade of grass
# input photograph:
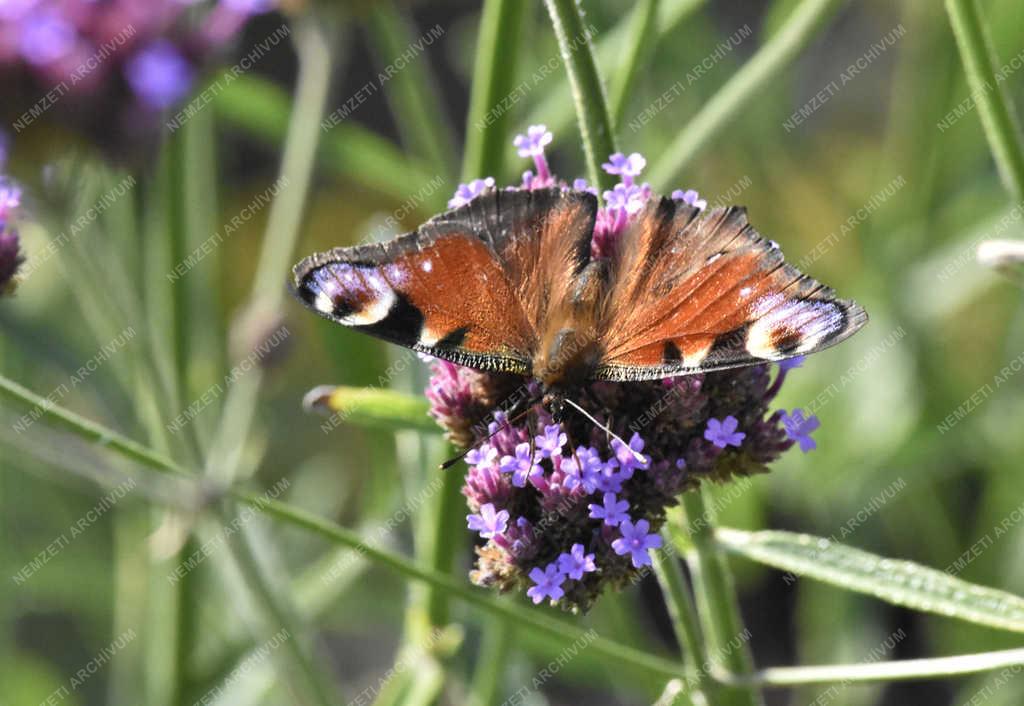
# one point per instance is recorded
(997, 114)
(716, 597)
(745, 85)
(497, 54)
(639, 45)
(587, 90)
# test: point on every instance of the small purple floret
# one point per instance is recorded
(691, 198)
(522, 466)
(724, 433)
(613, 511)
(800, 429)
(575, 563)
(636, 540)
(488, 522)
(467, 192)
(159, 74)
(548, 583)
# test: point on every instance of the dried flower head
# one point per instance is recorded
(565, 509)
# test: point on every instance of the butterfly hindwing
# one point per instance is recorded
(472, 285)
(695, 292)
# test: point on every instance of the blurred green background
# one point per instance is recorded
(886, 477)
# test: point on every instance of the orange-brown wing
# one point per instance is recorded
(694, 292)
(471, 285)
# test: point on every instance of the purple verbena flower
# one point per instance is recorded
(575, 563)
(488, 522)
(46, 37)
(159, 74)
(636, 540)
(625, 167)
(629, 457)
(548, 583)
(467, 192)
(800, 429)
(532, 144)
(613, 511)
(551, 443)
(628, 198)
(723, 434)
(581, 185)
(691, 198)
(522, 466)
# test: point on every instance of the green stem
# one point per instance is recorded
(683, 614)
(997, 114)
(552, 105)
(540, 621)
(497, 53)
(728, 647)
(757, 75)
(642, 27)
(931, 668)
(587, 90)
(88, 429)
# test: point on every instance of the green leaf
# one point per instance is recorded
(895, 581)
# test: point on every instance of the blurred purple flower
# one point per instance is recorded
(46, 37)
(467, 192)
(800, 429)
(159, 74)
(625, 167)
(691, 198)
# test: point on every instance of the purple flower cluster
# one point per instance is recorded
(10, 200)
(116, 56)
(564, 510)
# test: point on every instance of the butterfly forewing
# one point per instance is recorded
(472, 285)
(692, 294)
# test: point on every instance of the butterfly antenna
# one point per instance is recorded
(599, 425)
(508, 422)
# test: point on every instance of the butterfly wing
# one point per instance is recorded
(694, 293)
(471, 285)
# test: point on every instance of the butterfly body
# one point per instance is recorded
(507, 284)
